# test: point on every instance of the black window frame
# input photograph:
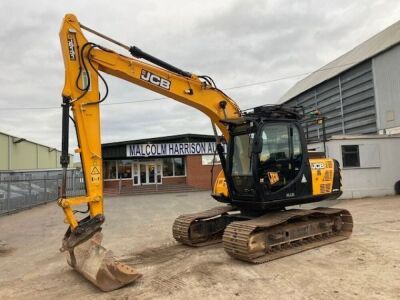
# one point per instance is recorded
(346, 156)
(173, 161)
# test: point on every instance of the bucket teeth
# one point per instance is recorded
(99, 266)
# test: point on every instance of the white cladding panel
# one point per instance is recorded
(370, 156)
(379, 166)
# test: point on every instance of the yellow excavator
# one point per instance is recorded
(266, 167)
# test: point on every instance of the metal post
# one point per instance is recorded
(8, 194)
(156, 174)
(324, 134)
(46, 197)
(73, 182)
(30, 191)
(58, 178)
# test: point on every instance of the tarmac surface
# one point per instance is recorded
(138, 229)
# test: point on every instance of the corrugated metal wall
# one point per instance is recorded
(387, 87)
(347, 101)
(26, 155)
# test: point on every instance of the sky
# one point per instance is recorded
(236, 42)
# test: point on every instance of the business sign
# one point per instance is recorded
(173, 149)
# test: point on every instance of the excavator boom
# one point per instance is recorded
(83, 61)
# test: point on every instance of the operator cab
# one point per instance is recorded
(267, 159)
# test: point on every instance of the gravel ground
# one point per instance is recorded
(139, 229)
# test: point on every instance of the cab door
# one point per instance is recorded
(281, 157)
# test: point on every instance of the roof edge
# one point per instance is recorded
(160, 138)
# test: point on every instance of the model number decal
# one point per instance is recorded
(71, 48)
(155, 79)
(318, 165)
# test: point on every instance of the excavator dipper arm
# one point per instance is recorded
(83, 63)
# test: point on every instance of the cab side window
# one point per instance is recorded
(281, 155)
(275, 143)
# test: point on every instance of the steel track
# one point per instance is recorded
(181, 229)
(237, 238)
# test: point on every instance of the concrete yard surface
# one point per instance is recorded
(138, 229)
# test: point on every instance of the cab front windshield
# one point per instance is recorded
(241, 161)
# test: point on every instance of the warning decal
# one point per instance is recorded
(273, 177)
(95, 174)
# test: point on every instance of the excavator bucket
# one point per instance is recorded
(99, 266)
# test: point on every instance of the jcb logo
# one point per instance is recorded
(318, 166)
(154, 79)
(71, 48)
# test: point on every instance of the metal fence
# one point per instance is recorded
(26, 189)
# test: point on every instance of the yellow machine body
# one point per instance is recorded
(322, 171)
(83, 63)
(86, 113)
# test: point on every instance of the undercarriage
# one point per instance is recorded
(267, 237)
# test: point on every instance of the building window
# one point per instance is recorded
(350, 156)
(168, 167)
(179, 166)
(124, 168)
(207, 160)
(174, 166)
(110, 169)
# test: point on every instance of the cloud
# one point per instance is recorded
(235, 42)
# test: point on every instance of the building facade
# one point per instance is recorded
(358, 92)
(172, 160)
(369, 164)
(30, 174)
(20, 154)
(359, 95)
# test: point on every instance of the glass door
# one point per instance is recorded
(135, 172)
(159, 170)
(147, 172)
(151, 173)
(143, 173)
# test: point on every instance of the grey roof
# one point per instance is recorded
(29, 141)
(380, 42)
